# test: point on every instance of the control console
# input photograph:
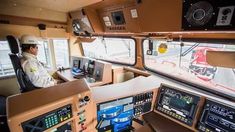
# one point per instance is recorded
(177, 104)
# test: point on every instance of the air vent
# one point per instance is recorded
(117, 28)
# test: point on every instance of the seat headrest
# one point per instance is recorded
(13, 44)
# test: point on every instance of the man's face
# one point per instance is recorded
(34, 50)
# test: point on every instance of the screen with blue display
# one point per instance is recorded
(115, 115)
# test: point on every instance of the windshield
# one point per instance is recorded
(187, 61)
(118, 50)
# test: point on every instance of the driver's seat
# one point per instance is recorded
(23, 80)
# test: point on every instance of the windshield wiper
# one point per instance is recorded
(189, 49)
(186, 52)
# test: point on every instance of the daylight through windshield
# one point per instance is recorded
(187, 61)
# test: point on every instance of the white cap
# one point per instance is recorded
(28, 39)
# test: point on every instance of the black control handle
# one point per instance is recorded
(99, 124)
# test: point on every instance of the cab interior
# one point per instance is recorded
(123, 66)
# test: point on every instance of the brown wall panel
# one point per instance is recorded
(94, 19)
(18, 30)
(160, 15)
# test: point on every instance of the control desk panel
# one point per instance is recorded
(119, 107)
(177, 104)
(217, 117)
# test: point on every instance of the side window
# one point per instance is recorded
(119, 50)
(44, 53)
(6, 68)
(61, 48)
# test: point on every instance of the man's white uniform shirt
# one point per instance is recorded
(36, 72)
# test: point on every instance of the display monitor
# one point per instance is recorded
(177, 104)
(76, 64)
(118, 18)
(217, 117)
(91, 67)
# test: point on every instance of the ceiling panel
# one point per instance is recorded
(56, 5)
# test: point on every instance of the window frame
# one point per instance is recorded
(114, 62)
(179, 80)
(49, 52)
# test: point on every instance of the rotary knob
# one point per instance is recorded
(86, 98)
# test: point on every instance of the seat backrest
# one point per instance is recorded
(13, 44)
(23, 80)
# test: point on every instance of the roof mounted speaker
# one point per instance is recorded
(208, 15)
(199, 13)
(42, 26)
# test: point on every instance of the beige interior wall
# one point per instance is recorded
(9, 86)
(19, 30)
(9, 8)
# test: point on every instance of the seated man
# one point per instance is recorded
(34, 69)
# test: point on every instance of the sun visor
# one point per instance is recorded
(221, 58)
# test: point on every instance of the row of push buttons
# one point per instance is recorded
(173, 114)
(204, 129)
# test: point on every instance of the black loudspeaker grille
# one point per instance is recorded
(208, 15)
(199, 13)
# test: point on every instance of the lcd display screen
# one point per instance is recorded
(217, 117)
(177, 104)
